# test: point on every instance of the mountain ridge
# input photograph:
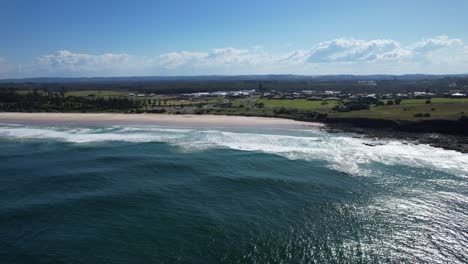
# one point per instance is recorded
(266, 77)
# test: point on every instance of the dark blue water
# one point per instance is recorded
(152, 195)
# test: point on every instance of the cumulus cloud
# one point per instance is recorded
(339, 56)
(176, 59)
(296, 56)
(436, 43)
(225, 57)
(67, 62)
(353, 50)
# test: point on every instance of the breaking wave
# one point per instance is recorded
(342, 152)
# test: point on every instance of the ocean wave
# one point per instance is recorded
(343, 152)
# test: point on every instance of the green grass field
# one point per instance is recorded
(303, 104)
(439, 108)
(434, 100)
(450, 111)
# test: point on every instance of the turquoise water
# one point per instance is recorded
(145, 194)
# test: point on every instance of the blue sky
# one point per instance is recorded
(177, 37)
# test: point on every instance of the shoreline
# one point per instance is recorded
(157, 119)
(439, 140)
(446, 141)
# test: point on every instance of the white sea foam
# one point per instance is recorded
(342, 152)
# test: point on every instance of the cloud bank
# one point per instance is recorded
(436, 55)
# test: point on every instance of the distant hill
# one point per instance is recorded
(271, 77)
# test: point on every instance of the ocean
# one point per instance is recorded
(148, 194)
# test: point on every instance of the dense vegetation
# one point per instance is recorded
(57, 102)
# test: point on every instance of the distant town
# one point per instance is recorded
(312, 95)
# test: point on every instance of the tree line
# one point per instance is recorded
(57, 102)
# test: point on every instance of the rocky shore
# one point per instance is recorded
(438, 133)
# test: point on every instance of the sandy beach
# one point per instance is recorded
(156, 119)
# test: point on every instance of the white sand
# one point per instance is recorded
(156, 119)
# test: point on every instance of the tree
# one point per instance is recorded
(260, 87)
(62, 92)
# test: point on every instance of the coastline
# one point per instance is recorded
(457, 142)
(441, 140)
(157, 119)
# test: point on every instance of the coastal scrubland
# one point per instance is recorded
(118, 101)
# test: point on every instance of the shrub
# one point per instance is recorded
(344, 109)
(380, 103)
(365, 100)
(390, 102)
(260, 105)
(199, 111)
(355, 107)
(352, 107)
(157, 111)
(428, 101)
(279, 111)
(324, 115)
(422, 115)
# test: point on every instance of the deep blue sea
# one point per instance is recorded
(147, 194)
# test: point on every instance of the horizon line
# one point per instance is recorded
(234, 75)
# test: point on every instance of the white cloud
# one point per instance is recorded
(353, 50)
(176, 59)
(225, 57)
(339, 56)
(436, 43)
(295, 57)
(348, 50)
(66, 62)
